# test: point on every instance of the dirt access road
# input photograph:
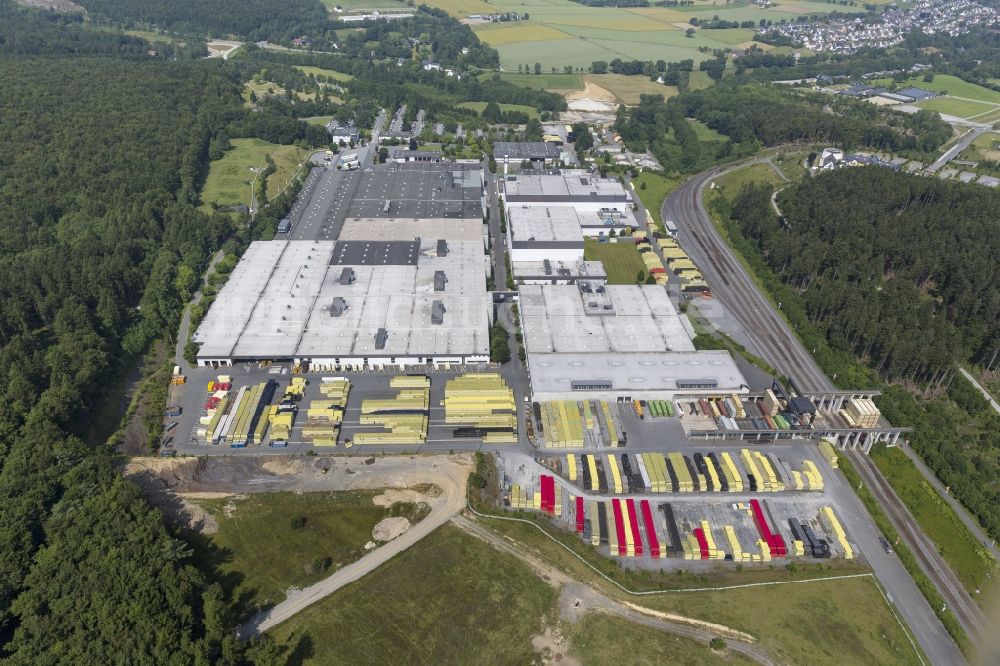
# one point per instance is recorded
(576, 599)
(449, 473)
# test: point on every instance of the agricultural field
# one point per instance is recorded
(963, 108)
(699, 80)
(731, 183)
(957, 545)
(545, 81)
(953, 86)
(704, 132)
(448, 599)
(228, 181)
(317, 71)
(267, 543)
(351, 5)
(628, 89)
(464, 8)
(621, 260)
(561, 32)
(479, 106)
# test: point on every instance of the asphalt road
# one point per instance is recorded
(957, 149)
(771, 337)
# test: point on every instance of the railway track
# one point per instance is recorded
(961, 604)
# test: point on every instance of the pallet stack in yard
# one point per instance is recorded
(402, 417)
(325, 415)
(485, 403)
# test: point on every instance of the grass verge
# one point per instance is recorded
(652, 188)
(621, 260)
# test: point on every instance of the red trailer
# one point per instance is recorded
(579, 514)
(651, 538)
(699, 534)
(774, 541)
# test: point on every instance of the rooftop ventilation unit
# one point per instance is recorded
(338, 306)
(380, 338)
(548, 266)
(440, 279)
(347, 276)
(442, 248)
(437, 312)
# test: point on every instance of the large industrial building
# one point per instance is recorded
(537, 233)
(547, 271)
(597, 341)
(580, 189)
(419, 190)
(352, 305)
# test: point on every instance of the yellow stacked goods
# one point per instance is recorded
(614, 476)
(734, 545)
(798, 548)
(750, 465)
(830, 521)
(592, 468)
(571, 466)
(714, 553)
(738, 406)
(811, 472)
(861, 413)
(281, 426)
(732, 475)
(610, 422)
(685, 484)
(595, 524)
(772, 483)
(826, 448)
(410, 381)
(482, 400)
(321, 435)
(404, 416)
(765, 551)
(665, 243)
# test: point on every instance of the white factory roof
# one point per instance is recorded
(612, 216)
(554, 375)
(569, 185)
(607, 318)
(388, 228)
(560, 269)
(277, 304)
(555, 224)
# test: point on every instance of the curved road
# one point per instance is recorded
(772, 338)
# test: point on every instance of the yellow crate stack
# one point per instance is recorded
(482, 400)
(571, 467)
(629, 540)
(610, 421)
(520, 499)
(814, 479)
(403, 417)
(765, 552)
(829, 520)
(713, 474)
(662, 476)
(281, 423)
(771, 482)
(592, 468)
(798, 548)
(714, 552)
(614, 476)
(612, 531)
(684, 481)
(734, 545)
(691, 548)
(732, 474)
(829, 452)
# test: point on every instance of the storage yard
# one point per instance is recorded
(747, 506)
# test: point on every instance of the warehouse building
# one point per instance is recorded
(351, 305)
(402, 155)
(538, 232)
(580, 189)
(558, 272)
(407, 228)
(518, 151)
(597, 341)
(419, 190)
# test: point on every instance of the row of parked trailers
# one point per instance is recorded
(734, 413)
(654, 472)
(632, 528)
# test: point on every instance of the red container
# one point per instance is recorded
(579, 514)
(548, 494)
(657, 269)
(774, 541)
(699, 534)
(651, 538)
(633, 519)
(616, 506)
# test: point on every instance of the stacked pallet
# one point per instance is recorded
(571, 467)
(714, 552)
(614, 435)
(484, 401)
(520, 499)
(562, 424)
(733, 477)
(324, 415)
(734, 545)
(615, 477)
(831, 523)
(861, 413)
(685, 482)
(403, 417)
(281, 423)
(829, 452)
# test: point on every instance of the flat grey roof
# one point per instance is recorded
(569, 185)
(418, 190)
(525, 150)
(559, 269)
(537, 224)
(277, 304)
(391, 228)
(554, 374)
(609, 217)
(607, 318)
(375, 253)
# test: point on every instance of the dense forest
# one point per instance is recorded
(900, 272)
(100, 245)
(255, 20)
